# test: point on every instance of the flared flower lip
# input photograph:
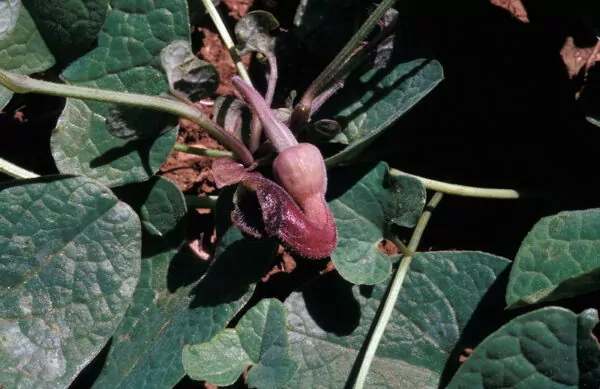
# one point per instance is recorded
(281, 217)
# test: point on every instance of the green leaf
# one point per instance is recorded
(362, 214)
(5, 96)
(252, 32)
(81, 145)
(376, 100)
(124, 123)
(411, 197)
(22, 49)
(442, 309)
(193, 78)
(263, 336)
(69, 264)
(127, 59)
(259, 338)
(385, 48)
(324, 130)
(233, 114)
(551, 348)
(9, 13)
(559, 258)
(593, 120)
(69, 27)
(162, 210)
(167, 272)
(220, 361)
(183, 311)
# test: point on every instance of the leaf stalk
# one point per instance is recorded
(201, 152)
(218, 21)
(321, 82)
(394, 291)
(462, 190)
(15, 171)
(23, 84)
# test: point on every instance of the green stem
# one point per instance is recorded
(15, 171)
(201, 202)
(216, 18)
(392, 296)
(202, 152)
(461, 190)
(323, 79)
(24, 84)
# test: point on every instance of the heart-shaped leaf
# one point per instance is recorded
(259, 339)
(411, 196)
(9, 13)
(193, 78)
(252, 32)
(385, 48)
(5, 96)
(69, 27)
(325, 130)
(166, 277)
(162, 210)
(175, 310)
(219, 361)
(263, 336)
(233, 115)
(69, 264)
(122, 122)
(549, 348)
(448, 302)
(559, 258)
(22, 48)
(126, 59)
(82, 145)
(362, 214)
(374, 101)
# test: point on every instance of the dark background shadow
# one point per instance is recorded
(505, 116)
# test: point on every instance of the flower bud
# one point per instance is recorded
(301, 171)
